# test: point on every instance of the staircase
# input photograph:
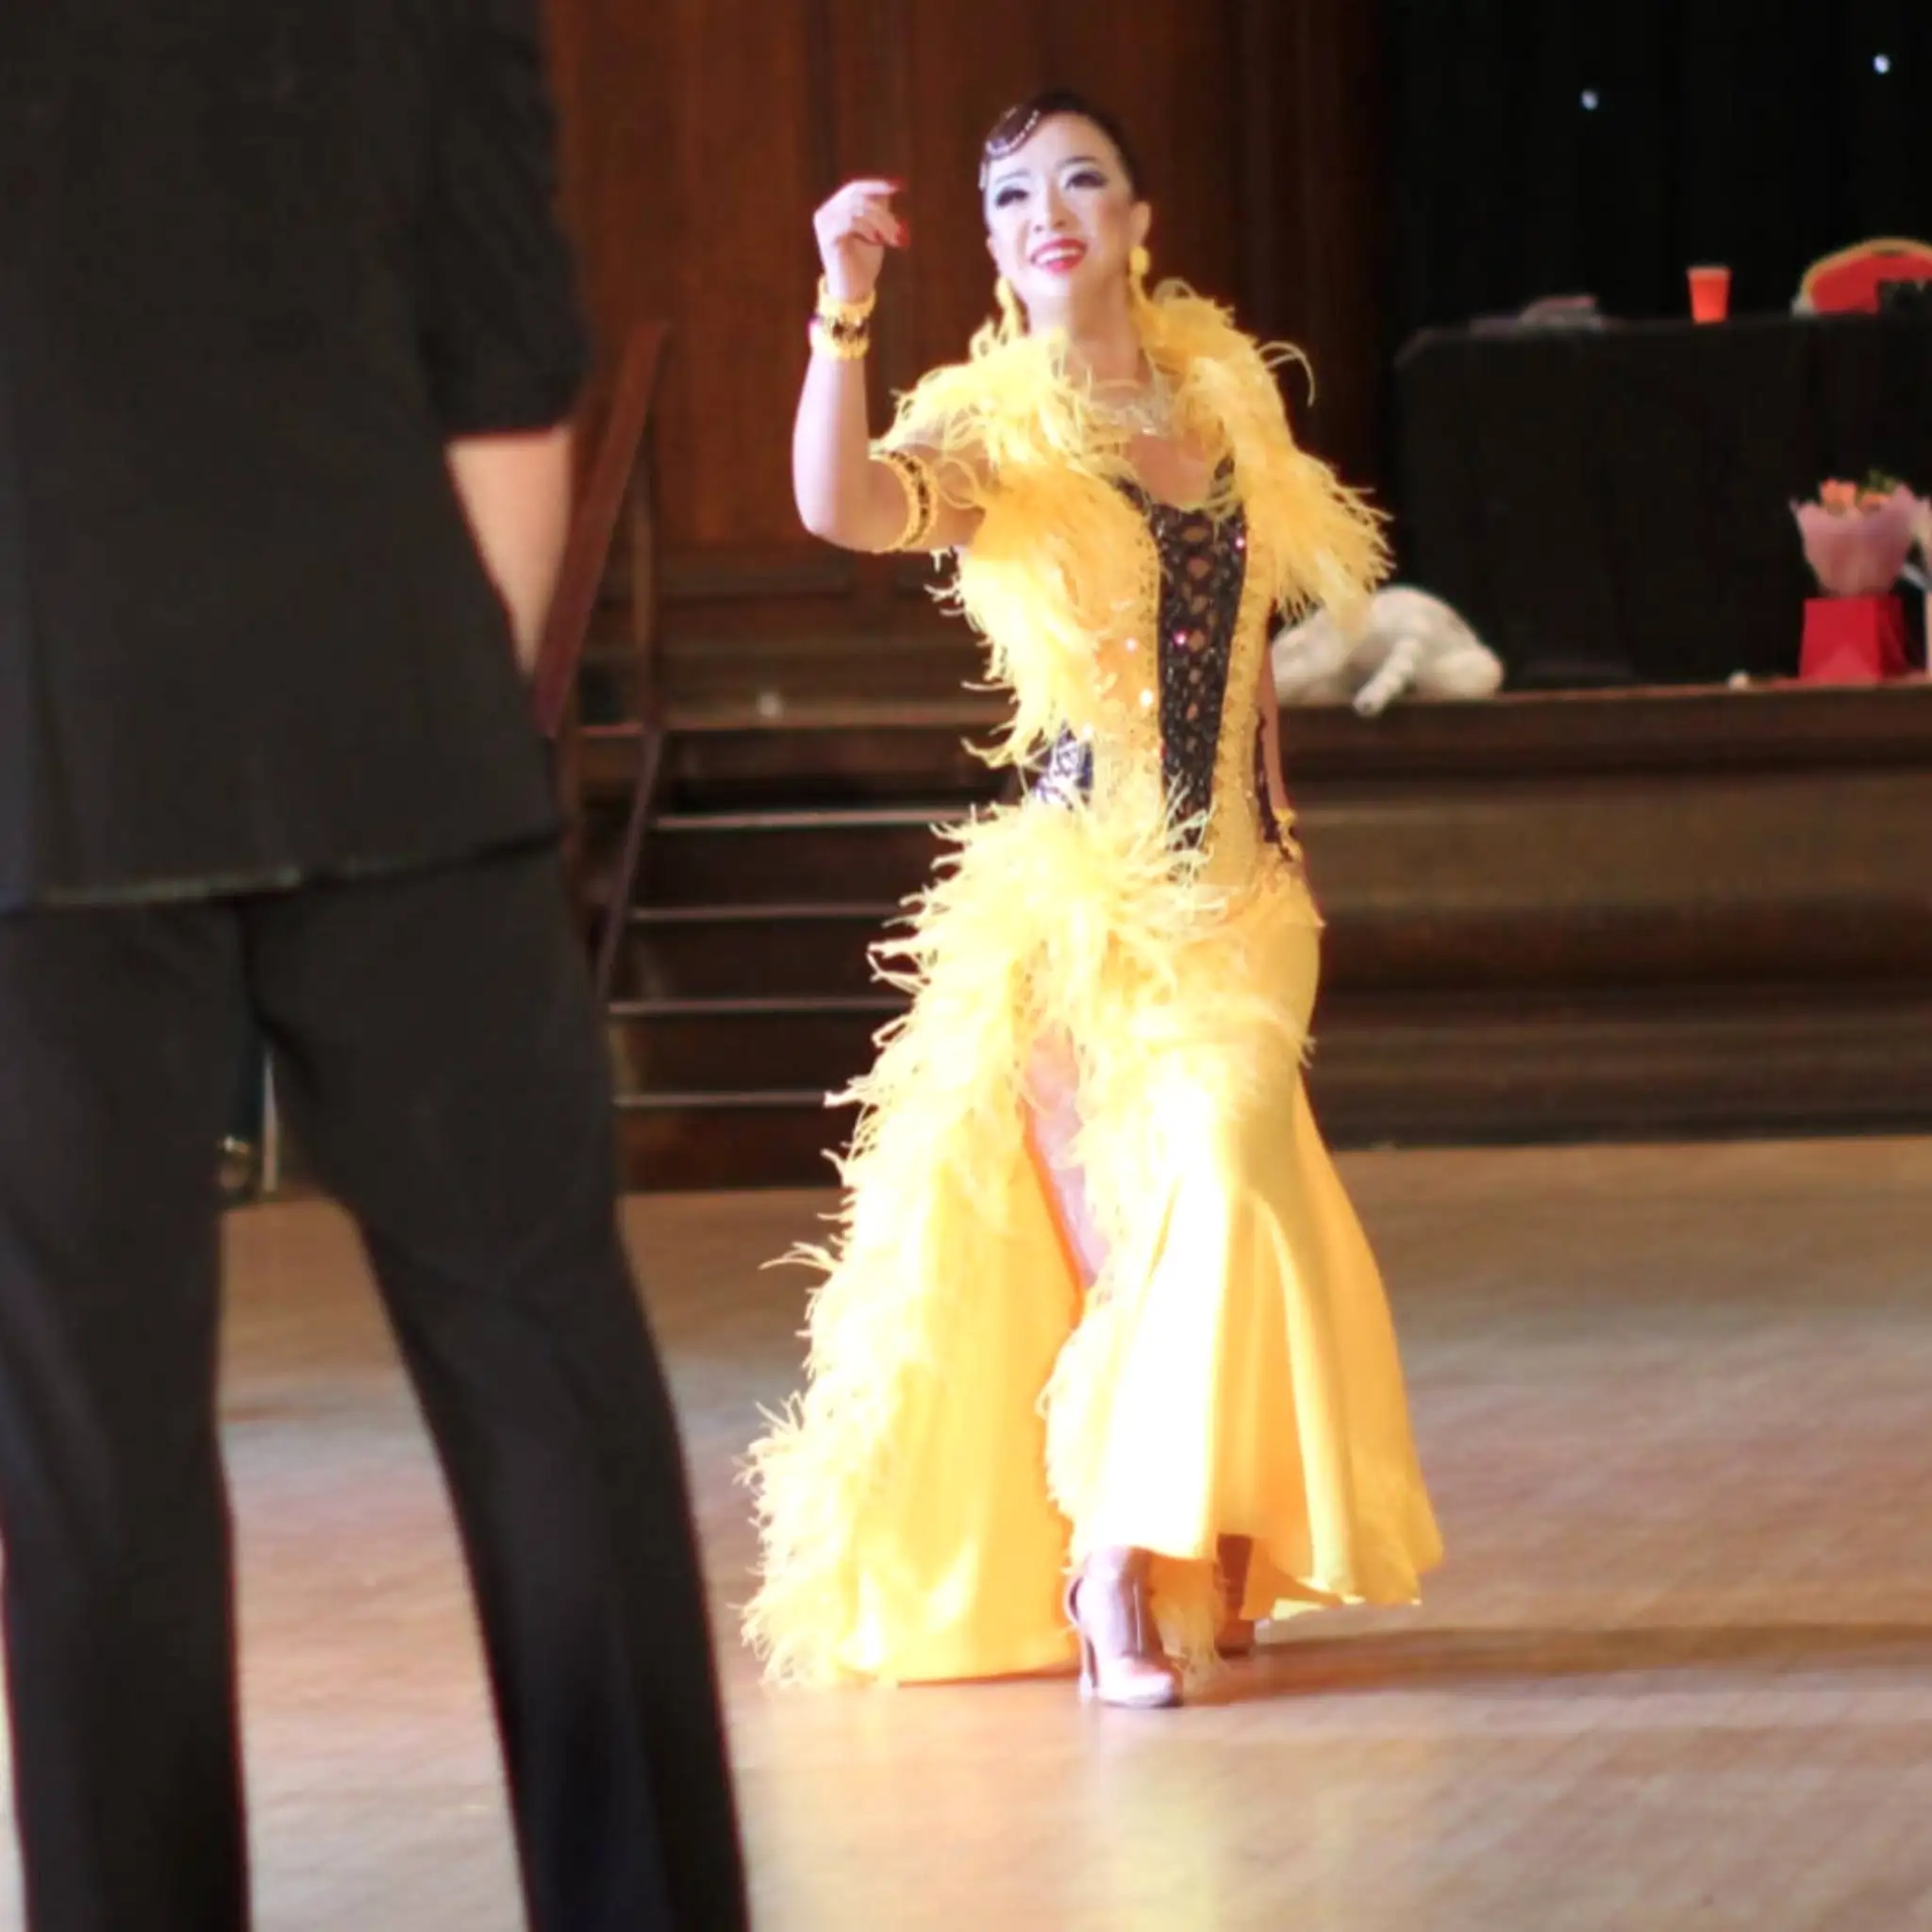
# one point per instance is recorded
(748, 811)
(739, 993)
(1524, 940)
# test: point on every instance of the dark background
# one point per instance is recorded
(1344, 172)
(1611, 509)
(1753, 132)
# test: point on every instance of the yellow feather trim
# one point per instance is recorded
(1062, 560)
(1043, 922)
(1094, 926)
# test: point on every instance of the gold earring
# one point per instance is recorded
(1013, 318)
(1139, 262)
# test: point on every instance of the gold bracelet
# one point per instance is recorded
(842, 348)
(917, 480)
(836, 311)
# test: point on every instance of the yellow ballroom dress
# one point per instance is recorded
(977, 1416)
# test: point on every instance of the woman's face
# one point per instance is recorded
(1061, 218)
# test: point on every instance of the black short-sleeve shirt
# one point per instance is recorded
(259, 261)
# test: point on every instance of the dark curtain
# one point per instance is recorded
(1759, 133)
(1612, 507)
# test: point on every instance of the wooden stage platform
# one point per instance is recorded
(1676, 1677)
(1612, 915)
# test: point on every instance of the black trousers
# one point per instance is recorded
(440, 1058)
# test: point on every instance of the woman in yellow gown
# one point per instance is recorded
(1100, 1368)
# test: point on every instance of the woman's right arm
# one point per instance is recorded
(844, 493)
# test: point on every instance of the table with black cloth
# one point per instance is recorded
(1612, 506)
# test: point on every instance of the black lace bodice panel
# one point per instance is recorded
(1203, 569)
(1202, 572)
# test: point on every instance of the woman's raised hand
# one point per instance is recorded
(854, 228)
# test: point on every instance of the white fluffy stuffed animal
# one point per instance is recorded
(1409, 643)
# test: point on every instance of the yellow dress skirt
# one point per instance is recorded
(976, 1418)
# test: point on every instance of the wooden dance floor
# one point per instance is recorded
(1677, 1405)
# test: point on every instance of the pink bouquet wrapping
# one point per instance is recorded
(1856, 539)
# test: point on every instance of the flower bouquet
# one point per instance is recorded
(1856, 539)
(1857, 536)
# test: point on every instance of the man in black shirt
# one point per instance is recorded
(286, 334)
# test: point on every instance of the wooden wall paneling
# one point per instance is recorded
(694, 128)
(1308, 95)
(1166, 79)
(736, 167)
(699, 136)
(1616, 880)
(957, 71)
(869, 115)
(1169, 76)
(963, 67)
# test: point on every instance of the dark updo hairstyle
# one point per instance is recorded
(1014, 129)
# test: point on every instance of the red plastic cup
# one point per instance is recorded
(1710, 294)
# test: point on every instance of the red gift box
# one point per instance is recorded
(1853, 640)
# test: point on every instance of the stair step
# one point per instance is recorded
(744, 1101)
(751, 1007)
(806, 912)
(686, 1142)
(731, 765)
(733, 758)
(1421, 1071)
(696, 677)
(739, 951)
(810, 819)
(777, 858)
(725, 1046)
(785, 1143)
